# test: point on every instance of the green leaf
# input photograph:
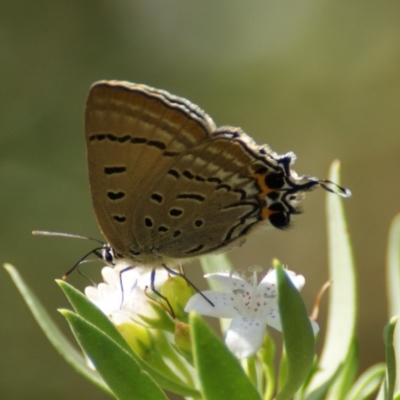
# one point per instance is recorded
(266, 355)
(89, 312)
(220, 373)
(250, 368)
(342, 311)
(123, 374)
(393, 267)
(320, 392)
(393, 284)
(297, 333)
(340, 386)
(368, 383)
(53, 333)
(390, 378)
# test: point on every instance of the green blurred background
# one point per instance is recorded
(320, 78)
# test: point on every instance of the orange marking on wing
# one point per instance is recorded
(264, 191)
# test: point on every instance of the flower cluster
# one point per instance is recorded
(252, 306)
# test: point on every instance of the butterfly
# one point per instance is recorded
(168, 185)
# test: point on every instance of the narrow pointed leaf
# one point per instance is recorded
(368, 383)
(393, 285)
(390, 378)
(53, 333)
(393, 272)
(220, 373)
(267, 355)
(321, 392)
(342, 312)
(346, 375)
(298, 335)
(123, 374)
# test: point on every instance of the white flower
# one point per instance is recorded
(251, 306)
(121, 296)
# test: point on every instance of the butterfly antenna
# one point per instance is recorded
(332, 187)
(96, 251)
(76, 266)
(62, 234)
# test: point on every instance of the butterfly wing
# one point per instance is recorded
(212, 197)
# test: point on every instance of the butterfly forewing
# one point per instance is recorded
(133, 133)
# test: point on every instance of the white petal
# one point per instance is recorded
(298, 281)
(99, 296)
(110, 276)
(223, 304)
(119, 317)
(229, 282)
(274, 319)
(315, 326)
(245, 336)
(92, 294)
(270, 279)
(111, 298)
(138, 304)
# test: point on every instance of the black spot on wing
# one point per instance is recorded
(148, 222)
(174, 173)
(157, 197)
(114, 170)
(157, 144)
(191, 196)
(187, 174)
(280, 220)
(115, 195)
(198, 223)
(175, 212)
(214, 179)
(138, 140)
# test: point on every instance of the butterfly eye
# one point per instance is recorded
(108, 254)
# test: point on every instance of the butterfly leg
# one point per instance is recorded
(121, 284)
(153, 288)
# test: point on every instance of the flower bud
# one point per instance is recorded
(178, 292)
(182, 340)
(138, 337)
